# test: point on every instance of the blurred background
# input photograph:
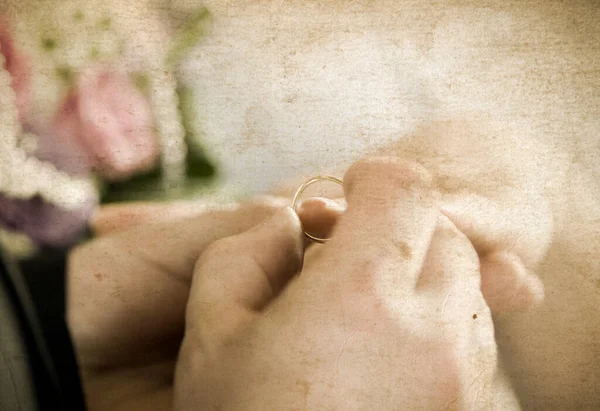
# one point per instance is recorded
(181, 99)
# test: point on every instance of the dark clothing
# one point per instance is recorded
(38, 370)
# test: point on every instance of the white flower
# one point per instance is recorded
(23, 176)
(64, 36)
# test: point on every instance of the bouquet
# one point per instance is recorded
(91, 112)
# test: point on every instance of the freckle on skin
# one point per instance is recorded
(405, 250)
(474, 316)
(98, 276)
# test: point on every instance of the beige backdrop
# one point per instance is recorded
(288, 87)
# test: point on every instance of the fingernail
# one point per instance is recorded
(285, 219)
(332, 205)
(508, 285)
(321, 204)
(284, 232)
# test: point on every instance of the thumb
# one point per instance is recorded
(238, 276)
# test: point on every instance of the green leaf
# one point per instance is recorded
(188, 36)
(142, 82)
(143, 186)
(66, 74)
(78, 16)
(197, 162)
(198, 165)
(105, 23)
(49, 44)
(94, 53)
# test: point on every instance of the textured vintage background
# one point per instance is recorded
(288, 87)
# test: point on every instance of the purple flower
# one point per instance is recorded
(44, 223)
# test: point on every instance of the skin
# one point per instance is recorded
(127, 291)
(530, 207)
(545, 307)
(126, 337)
(388, 315)
(523, 261)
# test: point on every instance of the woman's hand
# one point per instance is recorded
(388, 315)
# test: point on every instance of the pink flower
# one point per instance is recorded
(17, 66)
(106, 123)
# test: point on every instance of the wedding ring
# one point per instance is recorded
(299, 193)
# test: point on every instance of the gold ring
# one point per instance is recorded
(301, 190)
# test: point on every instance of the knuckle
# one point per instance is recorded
(222, 248)
(399, 171)
(461, 245)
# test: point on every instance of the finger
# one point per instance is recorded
(450, 283)
(139, 279)
(507, 285)
(493, 225)
(113, 218)
(391, 216)
(523, 228)
(238, 276)
(452, 264)
(319, 215)
(176, 245)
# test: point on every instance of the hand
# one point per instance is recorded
(388, 315)
(493, 193)
(127, 292)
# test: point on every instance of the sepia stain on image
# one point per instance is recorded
(135, 134)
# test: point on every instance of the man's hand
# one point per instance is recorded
(388, 315)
